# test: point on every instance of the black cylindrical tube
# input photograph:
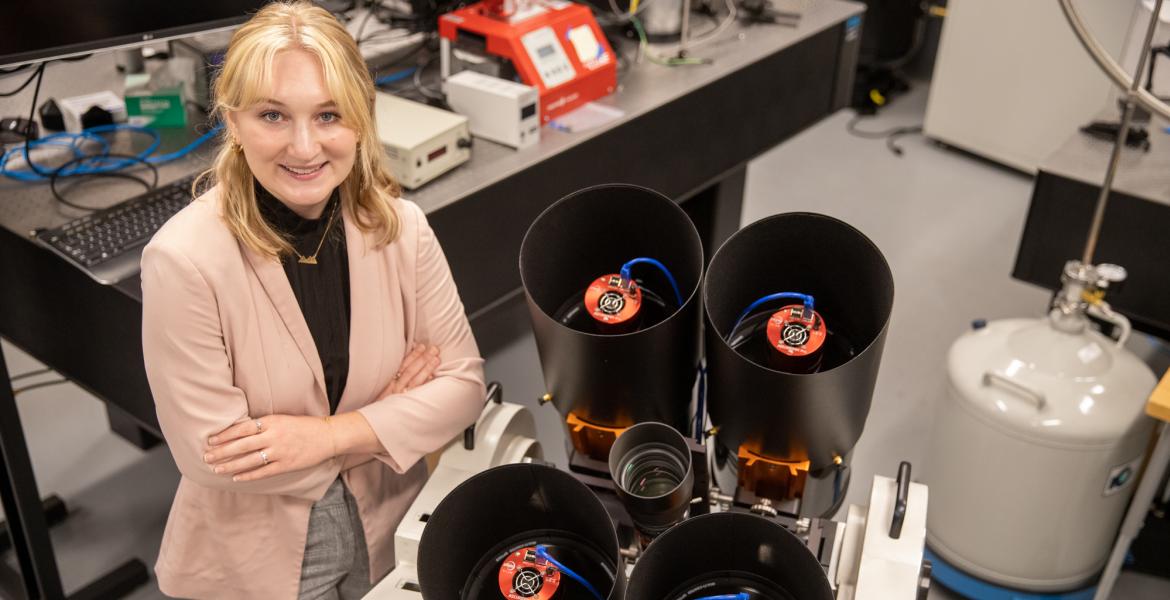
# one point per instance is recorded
(479, 524)
(788, 416)
(726, 553)
(650, 463)
(621, 379)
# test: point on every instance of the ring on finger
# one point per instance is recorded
(259, 426)
(264, 456)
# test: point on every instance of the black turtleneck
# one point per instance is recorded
(322, 290)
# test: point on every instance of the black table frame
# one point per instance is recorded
(28, 528)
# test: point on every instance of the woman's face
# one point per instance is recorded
(295, 141)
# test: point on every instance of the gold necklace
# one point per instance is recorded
(312, 260)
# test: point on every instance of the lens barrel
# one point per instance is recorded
(650, 463)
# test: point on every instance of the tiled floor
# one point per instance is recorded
(948, 224)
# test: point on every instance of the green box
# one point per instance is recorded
(157, 108)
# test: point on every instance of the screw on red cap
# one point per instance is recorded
(613, 300)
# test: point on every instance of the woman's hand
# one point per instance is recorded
(270, 446)
(418, 367)
(278, 444)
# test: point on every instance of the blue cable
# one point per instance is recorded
(739, 596)
(155, 141)
(542, 552)
(76, 139)
(185, 150)
(699, 417)
(837, 482)
(96, 163)
(807, 299)
(395, 76)
(67, 140)
(86, 167)
(626, 274)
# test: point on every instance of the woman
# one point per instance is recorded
(299, 435)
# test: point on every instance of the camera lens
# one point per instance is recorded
(650, 464)
(652, 470)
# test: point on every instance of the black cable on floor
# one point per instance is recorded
(891, 141)
(890, 135)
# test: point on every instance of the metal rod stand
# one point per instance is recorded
(1119, 143)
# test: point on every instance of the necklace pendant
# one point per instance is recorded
(307, 260)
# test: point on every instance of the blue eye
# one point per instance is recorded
(330, 117)
(270, 115)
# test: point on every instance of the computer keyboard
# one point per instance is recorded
(107, 244)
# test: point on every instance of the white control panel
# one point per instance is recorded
(589, 51)
(549, 56)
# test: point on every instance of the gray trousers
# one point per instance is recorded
(336, 564)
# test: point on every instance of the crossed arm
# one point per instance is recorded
(261, 448)
(205, 417)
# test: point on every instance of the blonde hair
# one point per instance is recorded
(245, 79)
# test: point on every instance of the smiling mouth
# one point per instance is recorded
(303, 170)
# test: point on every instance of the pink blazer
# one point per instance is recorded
(225, 341)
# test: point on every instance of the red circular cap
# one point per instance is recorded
(796, 331)
(611, 303)
(524, 576)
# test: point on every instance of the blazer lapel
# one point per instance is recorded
(366, 314)
(272, 277)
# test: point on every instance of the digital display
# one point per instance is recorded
(436, 153)
(547, 51)
(527, 111)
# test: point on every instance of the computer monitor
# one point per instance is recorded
(36, 30)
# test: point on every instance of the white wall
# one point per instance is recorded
(1011, 81)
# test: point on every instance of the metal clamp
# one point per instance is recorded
(901, 500)
(1021, 390)
(495, 393)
